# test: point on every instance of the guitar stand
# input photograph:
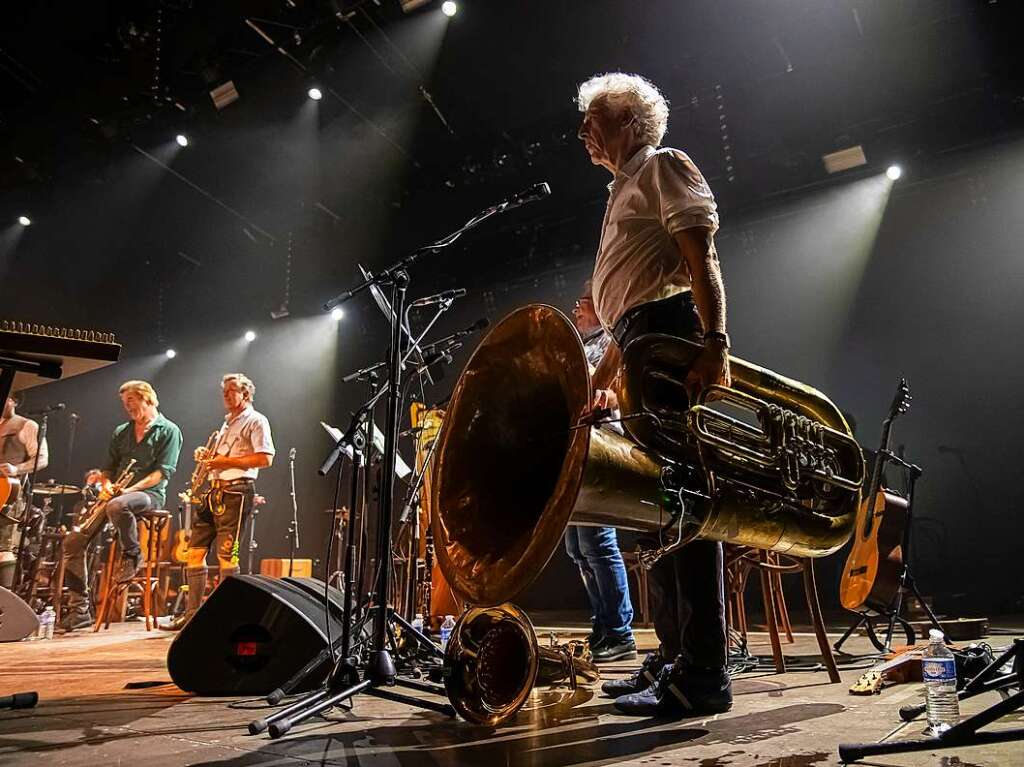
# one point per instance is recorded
(893, 612)
(966, 732)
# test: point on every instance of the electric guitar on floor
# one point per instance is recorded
(871, 576)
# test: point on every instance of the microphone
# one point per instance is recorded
(447, 341)
(438, 298)
(291, 454)
(531, 194)
(480, 324)
(47, 410)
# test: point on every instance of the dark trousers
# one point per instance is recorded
(120, 511)
(687, 585)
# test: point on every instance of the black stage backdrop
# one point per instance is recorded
(845, 282)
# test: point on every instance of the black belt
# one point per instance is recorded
(631, 315)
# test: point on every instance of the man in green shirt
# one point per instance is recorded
(154, 443)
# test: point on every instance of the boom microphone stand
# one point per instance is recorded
(380, 672)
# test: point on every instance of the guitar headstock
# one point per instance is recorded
(900, 401)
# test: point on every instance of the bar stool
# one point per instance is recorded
(153, 522)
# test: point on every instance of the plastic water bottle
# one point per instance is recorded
(47, 623)
(417, 622)
(938, 667)
(446, 629)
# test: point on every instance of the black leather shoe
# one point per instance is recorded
(680, 693)
(644, 677)
(130, 565)
(610, 650)
(75, 618)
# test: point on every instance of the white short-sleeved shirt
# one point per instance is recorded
(247, 433)
(656, 194)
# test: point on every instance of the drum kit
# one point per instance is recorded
(34, 526)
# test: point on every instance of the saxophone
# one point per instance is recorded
(200, 473)
(108, 493)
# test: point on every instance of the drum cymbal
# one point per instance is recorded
(55, 490)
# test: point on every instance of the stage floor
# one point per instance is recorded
(88, 715)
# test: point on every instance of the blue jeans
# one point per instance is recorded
(595, 550)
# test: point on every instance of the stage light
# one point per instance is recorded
(337, 313)
(894, 172)
(449, 8)
(24, 220)
(315, 93)
(182, 139)
(171, 354)
(250, 335)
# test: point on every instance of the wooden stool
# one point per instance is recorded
(642, 603)
(154, 522)
(739, 561)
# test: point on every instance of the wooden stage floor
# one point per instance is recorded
(106, 699)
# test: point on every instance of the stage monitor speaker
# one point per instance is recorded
(252, 635)
(17, 620)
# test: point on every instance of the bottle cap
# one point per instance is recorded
(935, 635)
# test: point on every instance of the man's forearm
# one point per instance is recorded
(254, 461)
(607, 368)
(698, 249)
(150, 480)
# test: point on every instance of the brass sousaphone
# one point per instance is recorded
(768, 462)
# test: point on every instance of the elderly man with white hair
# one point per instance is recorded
(657, 271)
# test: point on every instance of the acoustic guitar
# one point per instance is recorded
(10, 487)
(871, 576)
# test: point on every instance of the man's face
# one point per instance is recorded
(602, 131)
(9, 407)
(584, 316)
(134, 405)
(234, 398)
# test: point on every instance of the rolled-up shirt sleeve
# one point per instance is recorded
(685, 199)
(260, 437)
(165, 455)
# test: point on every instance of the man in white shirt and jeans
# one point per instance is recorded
(657, 271)
(243, 446)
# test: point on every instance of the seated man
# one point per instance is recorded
(154, 443)
(595, 550)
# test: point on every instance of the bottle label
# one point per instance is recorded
(938, 670)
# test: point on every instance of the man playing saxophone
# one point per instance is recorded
(242, 447)
(143, 457)
(657, 271)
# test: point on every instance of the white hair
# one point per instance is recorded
(636, 94)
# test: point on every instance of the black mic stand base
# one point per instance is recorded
(965, 733)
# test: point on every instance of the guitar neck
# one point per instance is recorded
(877, 471)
